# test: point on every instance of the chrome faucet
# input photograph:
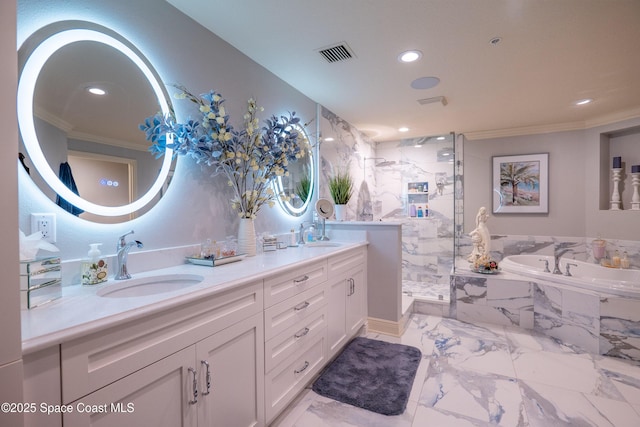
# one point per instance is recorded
(122, 250)
(556, 260)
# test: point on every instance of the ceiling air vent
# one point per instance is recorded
(434, 100)
(336, 53)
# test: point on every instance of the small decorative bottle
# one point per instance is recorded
(94, 267)
(615, 260)
(624, 261)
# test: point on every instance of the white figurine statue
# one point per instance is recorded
(480, 237)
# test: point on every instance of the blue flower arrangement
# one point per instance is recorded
(250, 158)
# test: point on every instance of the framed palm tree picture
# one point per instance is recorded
(521, 183)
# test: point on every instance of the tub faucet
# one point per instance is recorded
(546, 265)
(568, 272)
(556, 260)
(122, 251)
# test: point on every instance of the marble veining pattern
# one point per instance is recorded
(489, 375)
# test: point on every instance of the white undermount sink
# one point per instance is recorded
(323, 244)
(153, 285)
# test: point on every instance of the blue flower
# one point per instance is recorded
(250, 158)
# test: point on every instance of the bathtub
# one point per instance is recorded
(584, 275)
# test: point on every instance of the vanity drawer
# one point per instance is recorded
(295, 338)
(279, 288)
(293, 311)
(347, 261)
(285, 381)
(96, 360)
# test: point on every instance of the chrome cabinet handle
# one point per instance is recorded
(299, 335)
(352, 287)
(301, 279)
(195, 387)
(306, 365)
(301, 306)
(205, 363)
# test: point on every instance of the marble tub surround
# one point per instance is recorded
(473, 375)
(579, 248)
(81, 310)
(596, 322)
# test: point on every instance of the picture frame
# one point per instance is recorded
(521, 184)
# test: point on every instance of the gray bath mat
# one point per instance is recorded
(371, 374)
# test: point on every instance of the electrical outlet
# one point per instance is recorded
(45, 223)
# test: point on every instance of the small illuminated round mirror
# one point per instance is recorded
(294, 192)
(96, 55)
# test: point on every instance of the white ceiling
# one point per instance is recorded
(552, 54)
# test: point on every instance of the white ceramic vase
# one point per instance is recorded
(247, 237)
(341, 212)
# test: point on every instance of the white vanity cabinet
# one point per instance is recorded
(347, 296)
(237, 356)
(154, 371)
(295, 333)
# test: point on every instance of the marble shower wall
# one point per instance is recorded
(427, 243)
(348, 151)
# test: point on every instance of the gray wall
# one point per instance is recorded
(196, 206)
(11, 348)
(578, 164)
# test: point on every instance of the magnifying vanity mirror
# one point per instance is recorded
(71, 135)
(298, 186)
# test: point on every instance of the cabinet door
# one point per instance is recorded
(336, 315)
(233, 393)
(356, 311)
(158, 395)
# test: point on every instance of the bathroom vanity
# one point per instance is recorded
(233, 348)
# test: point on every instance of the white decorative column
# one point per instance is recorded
(635, 199)
(615, 197)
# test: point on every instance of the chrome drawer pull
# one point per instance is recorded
(195, 387)
(306, 365)
(304, 332)
(301, 279)
(205, 363)
(301, 306)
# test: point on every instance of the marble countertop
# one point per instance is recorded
(82, 311)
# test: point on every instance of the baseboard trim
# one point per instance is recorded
(386, 327)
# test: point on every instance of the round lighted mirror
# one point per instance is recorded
(295, 191)
(56, 105)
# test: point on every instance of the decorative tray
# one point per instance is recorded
(485, 271)
(212, 262)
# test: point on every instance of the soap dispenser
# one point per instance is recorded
(94, 267)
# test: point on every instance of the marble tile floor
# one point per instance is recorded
(489, 375)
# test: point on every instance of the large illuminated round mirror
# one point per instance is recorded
(82, 94)
(297, 187)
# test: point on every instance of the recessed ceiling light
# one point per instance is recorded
(584, 101)
(418, 146)
(403, 129)
(328, 139)
(410, 56)
(96, 91)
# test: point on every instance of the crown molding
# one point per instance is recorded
(558, 127)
